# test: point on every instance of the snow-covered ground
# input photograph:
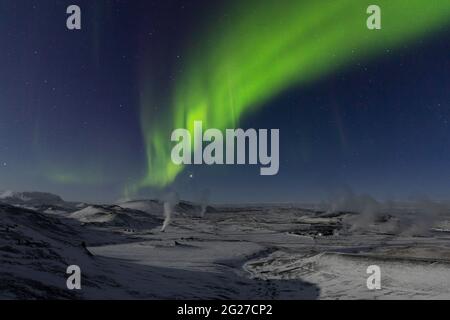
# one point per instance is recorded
(238, 252)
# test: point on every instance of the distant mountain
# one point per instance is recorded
(40, 201)
(12, 197)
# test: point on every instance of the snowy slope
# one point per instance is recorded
(240, 252)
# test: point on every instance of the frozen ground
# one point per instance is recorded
(247, 252)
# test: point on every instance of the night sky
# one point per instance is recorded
(79, 109)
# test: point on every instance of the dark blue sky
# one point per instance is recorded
(70, 116)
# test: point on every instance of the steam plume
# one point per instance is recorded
(171, 200)
(204, 201)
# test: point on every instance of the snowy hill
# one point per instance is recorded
(35, 251)
(116, 216)
(155, 207)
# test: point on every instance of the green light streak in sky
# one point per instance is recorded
(256, 49)
(83, 176)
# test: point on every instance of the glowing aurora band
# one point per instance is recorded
(256, 49)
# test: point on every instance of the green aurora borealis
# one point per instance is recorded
(257, 49)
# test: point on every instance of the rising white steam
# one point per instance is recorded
(170, 202)
(413, 218)
(204, 201)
